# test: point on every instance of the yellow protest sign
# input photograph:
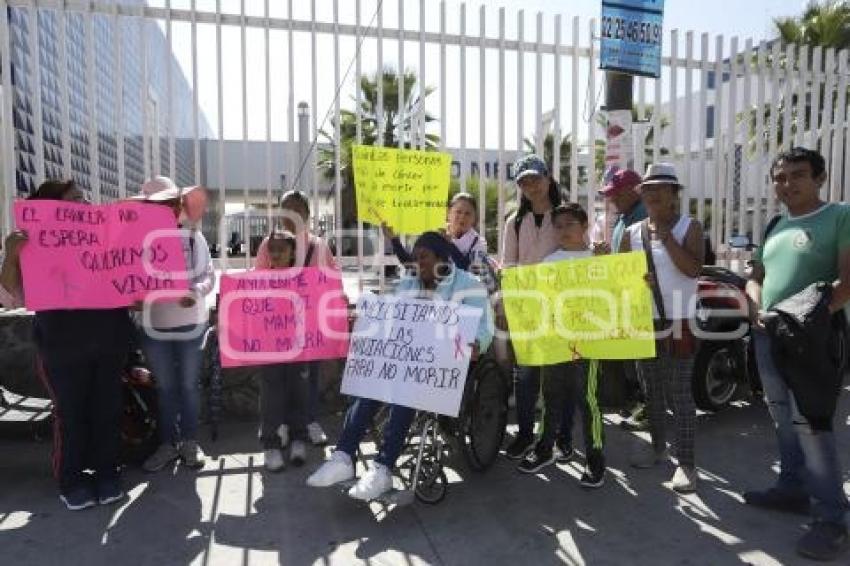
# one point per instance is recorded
(597, 308)
(407, 189)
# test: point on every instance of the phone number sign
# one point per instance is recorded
(631, 36)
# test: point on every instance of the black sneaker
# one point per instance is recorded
(536, 460)
(109, 491)
(563, 453)
(592, 478)
(519, 448)
(824, 541)
(78, 498)
(778, 500)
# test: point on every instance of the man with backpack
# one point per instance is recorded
(808, 244)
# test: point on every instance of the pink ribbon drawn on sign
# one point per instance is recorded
(458, 347)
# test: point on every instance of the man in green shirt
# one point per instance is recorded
(810, 243)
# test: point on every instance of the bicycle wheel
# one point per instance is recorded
(485, 416)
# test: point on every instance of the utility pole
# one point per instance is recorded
(618, 131)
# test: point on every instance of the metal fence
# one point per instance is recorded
(719, 113)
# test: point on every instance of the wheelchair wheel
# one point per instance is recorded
(431, 485)
(485, 414)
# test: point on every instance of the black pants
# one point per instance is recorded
(575, 383)
(87, 406)
(284, 399)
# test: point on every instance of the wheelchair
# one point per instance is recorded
(434, 440)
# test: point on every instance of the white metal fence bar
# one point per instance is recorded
(312, 173)
(482, 123)
(243, 78)
(144, 95)
(8, 135)
(574, 115)
(118, 92)
(222, 181)
(422, 78)
(196, 125)
(462, 86)
(731, 156)
(268, 70)
(688, 196)
(591, 142)
(62, 16)
(502, 174)
(35, 58)
(773, 131)
(717, 147)
(813, 137)
(358, 129)
(169, 91)
(538, 88)
(759, 136)
(337, 140)
(744, 159)
(91, 104)
(702, 126)
(839, 132)
(556, 118)
(674, 96)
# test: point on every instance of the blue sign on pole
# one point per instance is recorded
(631, 36)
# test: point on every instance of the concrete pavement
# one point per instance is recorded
(233, 512)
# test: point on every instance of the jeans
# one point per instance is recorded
(283, 400)
(358, 419)
(176, 366)
(87, 405)
(808, 458)
(527, 390)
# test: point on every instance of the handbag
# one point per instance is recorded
(685, 344)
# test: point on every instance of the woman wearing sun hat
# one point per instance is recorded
(675, 257)
(174, 332)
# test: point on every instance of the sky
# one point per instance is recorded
(741, 18)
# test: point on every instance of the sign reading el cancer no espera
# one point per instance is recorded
(83, 256)
(282, 316)
(411, 352)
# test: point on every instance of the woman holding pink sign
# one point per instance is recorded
(284, 387)
(174, 333)
(81, 354)
(310, 251)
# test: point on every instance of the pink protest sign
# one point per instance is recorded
(279, 316)
(82, 256)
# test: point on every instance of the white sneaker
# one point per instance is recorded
(283, 433)
(298, 453)
(273, 459)
(374, 483)
(684, 480)
(316, 434)
(338, 468)
(192, 455)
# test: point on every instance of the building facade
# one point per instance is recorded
(140, 117)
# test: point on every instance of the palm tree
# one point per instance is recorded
(824, 24)
(397, 124)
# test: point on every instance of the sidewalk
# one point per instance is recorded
(233, 512)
